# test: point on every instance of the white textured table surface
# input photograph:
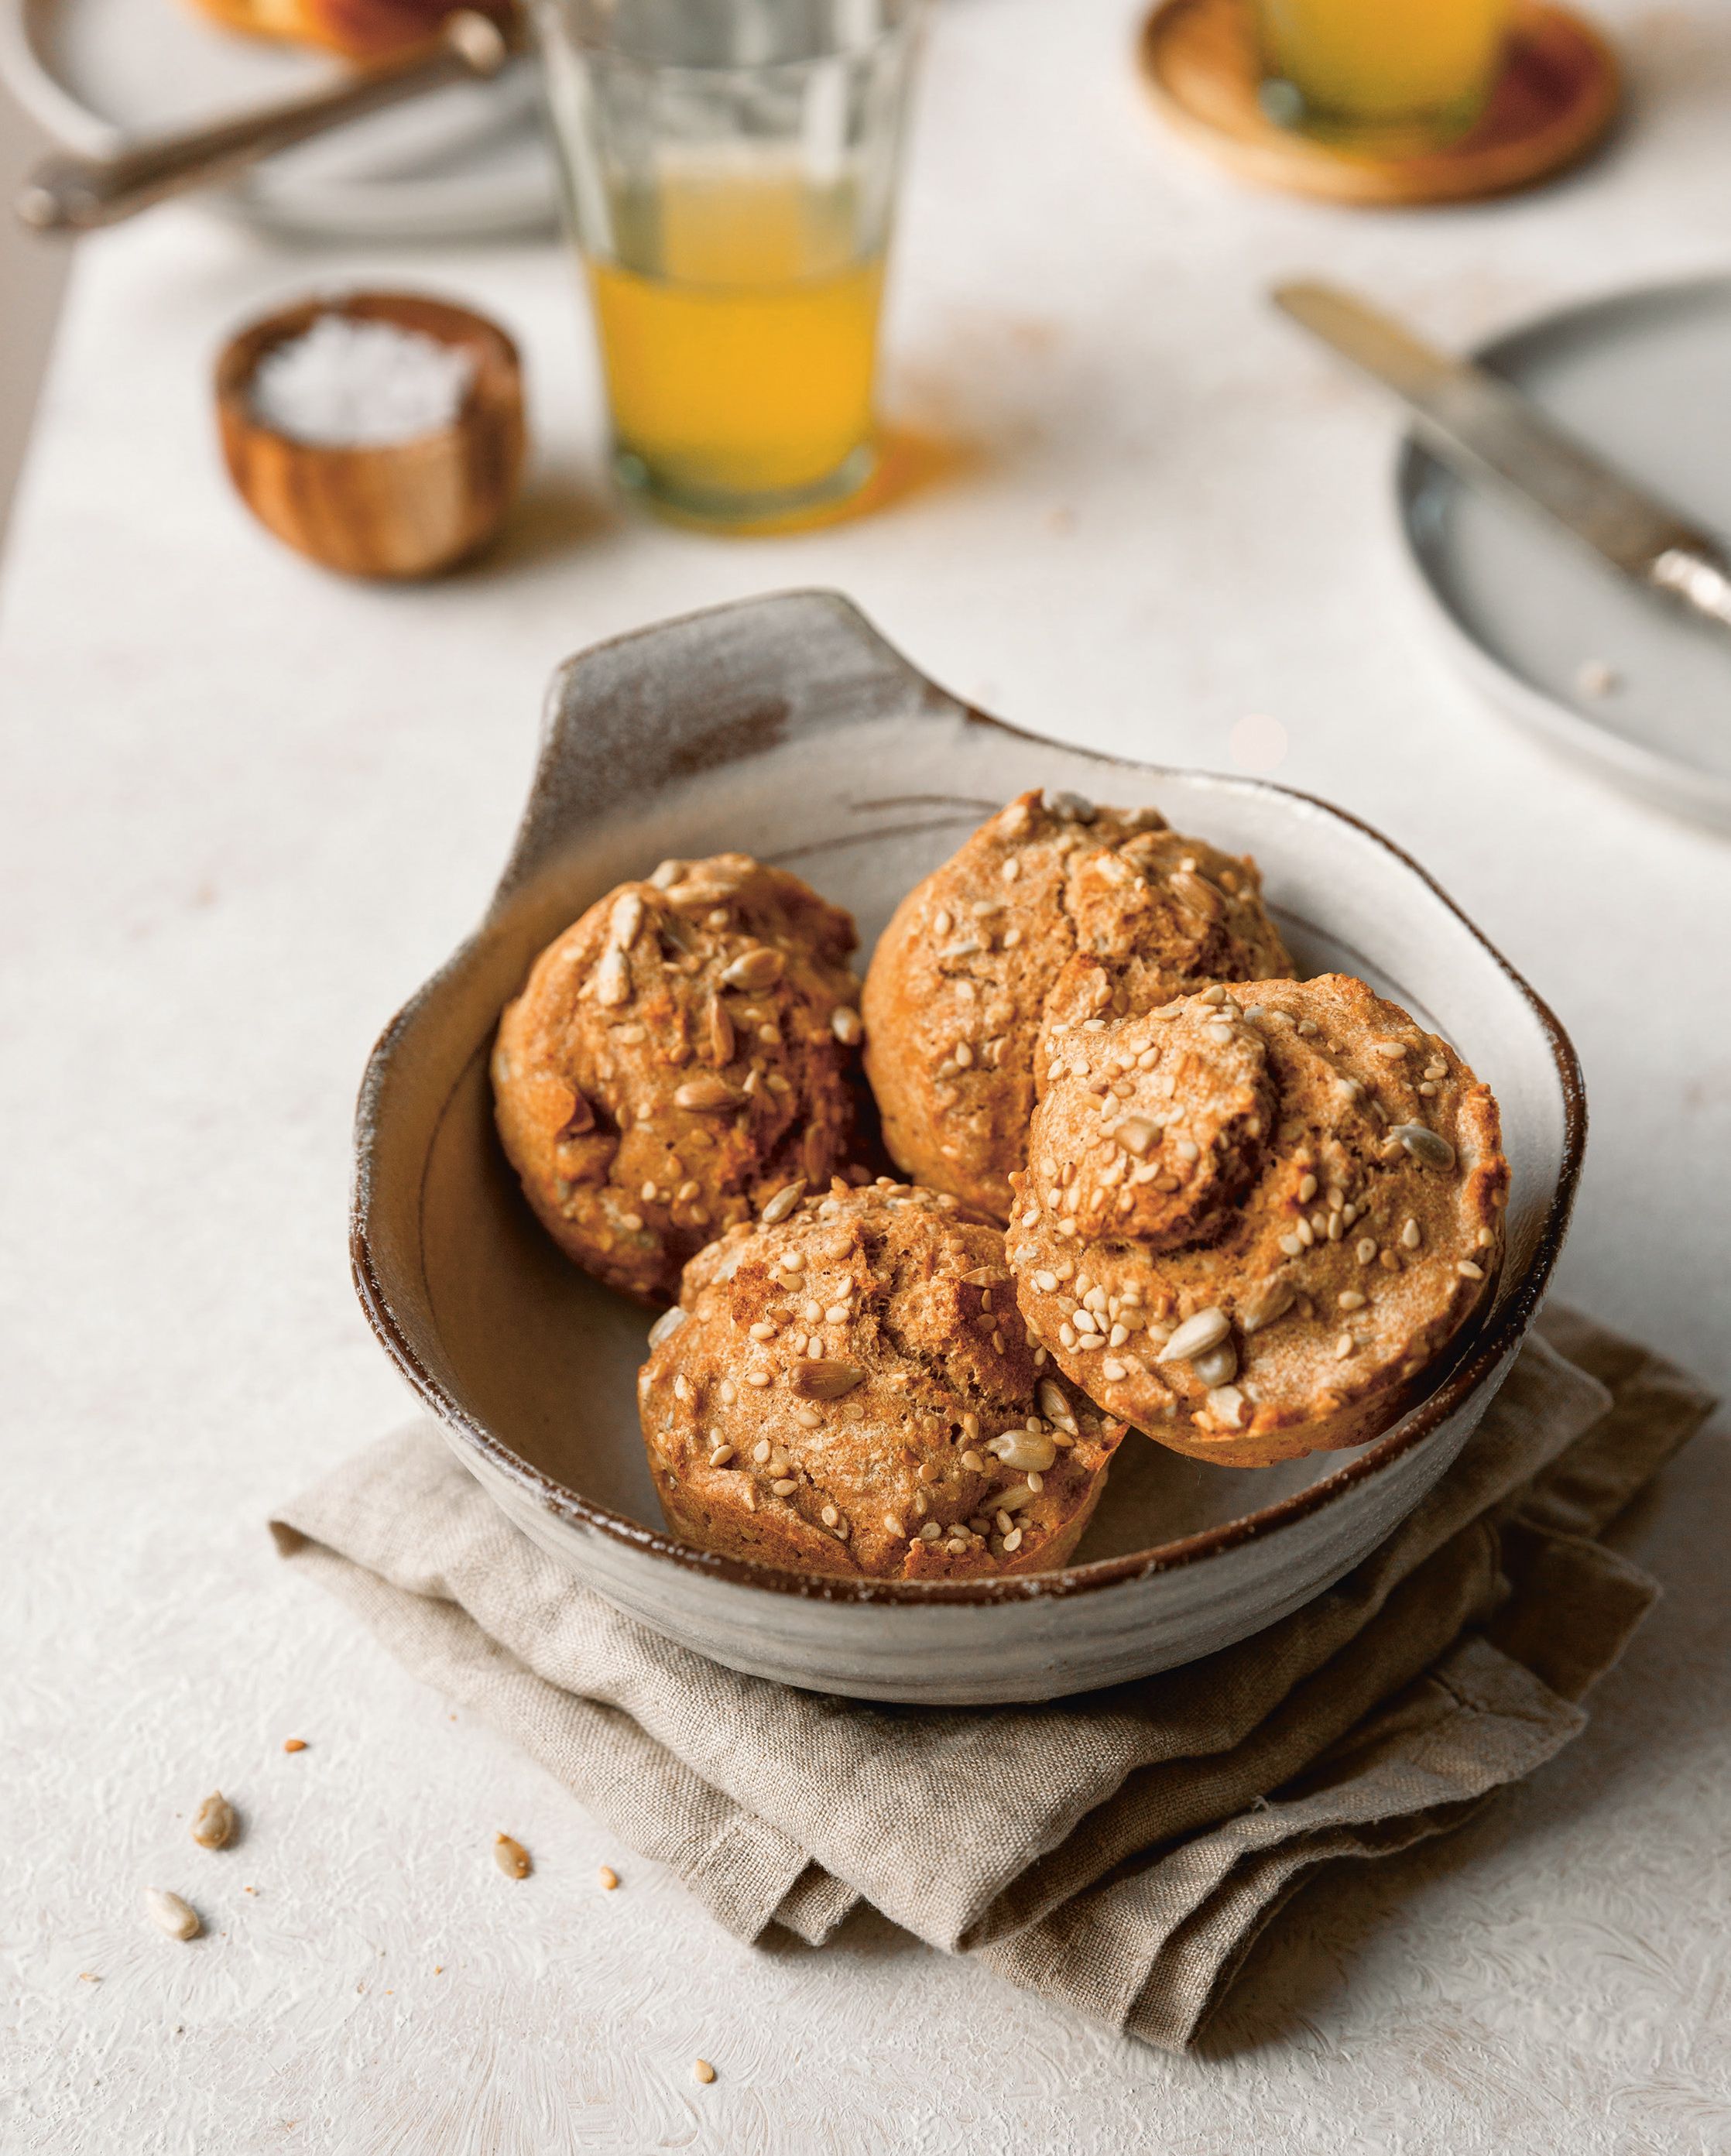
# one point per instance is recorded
(246, 808)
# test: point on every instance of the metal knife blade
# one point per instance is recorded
(1485, 430)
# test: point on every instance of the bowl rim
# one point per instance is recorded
(1492, 1346)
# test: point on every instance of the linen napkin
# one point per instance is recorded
(1118, 1851)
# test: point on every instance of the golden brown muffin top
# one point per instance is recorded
(678, 1054)
(978, 955)
(847, 1387)
(1245, 1221)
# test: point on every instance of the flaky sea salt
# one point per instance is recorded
(350, 383)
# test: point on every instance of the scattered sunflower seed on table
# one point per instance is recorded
(170, 1914)
(213, 1823)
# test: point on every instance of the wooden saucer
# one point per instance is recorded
(1559, 93)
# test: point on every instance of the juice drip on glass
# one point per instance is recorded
(738, 331)
(1366, 61)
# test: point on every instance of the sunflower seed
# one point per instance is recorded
(718, 1030)
(784, 1201)
(1055, 1406)
(1217, 1365)
(612, 979)
(705, 1093)
(1195, 1336)
(626, 919)
(1424, 1144)
(170, 1914)
(824, 1380)
(1025, 1449)
(1225, 1404)
(666, 1325)
(1275, 1300)
(754, 970)
(1199, 893)
(213, 1823)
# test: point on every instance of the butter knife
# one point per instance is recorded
(67, 193)
(1484, 429)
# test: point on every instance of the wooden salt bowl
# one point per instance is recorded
(395, 509)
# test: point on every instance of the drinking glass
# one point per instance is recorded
(729, 170)
(1381, 74)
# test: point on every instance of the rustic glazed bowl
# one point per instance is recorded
(788, 728)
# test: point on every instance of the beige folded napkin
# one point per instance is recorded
(1118, 1851)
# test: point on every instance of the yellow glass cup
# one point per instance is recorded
(1381, 74)
(730, 174)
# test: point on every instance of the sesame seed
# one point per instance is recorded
(760, 1450)
(973, 1462)
(784, 1487)
(1468, 1271)
(1343, 1347)
(727, 1392)
(608, 1878)
(1350, 1299)
(940, 923)
(1390, 1263)
(1291, 1244)
(721, 1454)
(1394, 1050)
(702, 2071)
(1366, 1248)
(1306, 1189)
(1485, 1239)
(930, 1532)
(762, 1330)
(1113, 1371)
(1013, 1541)
(1411, 1235)
(632, 1222)
(807, 1418)
(893, 1526)
(829, 1516)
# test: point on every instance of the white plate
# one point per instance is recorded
(467, 163)
(787, 727)
(1523, 610)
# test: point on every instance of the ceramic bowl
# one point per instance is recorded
(788, 728)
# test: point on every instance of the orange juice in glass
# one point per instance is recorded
(1382, 74)
(730, 174)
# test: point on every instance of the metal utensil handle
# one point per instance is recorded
(67, 193)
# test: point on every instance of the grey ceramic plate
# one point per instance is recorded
(788, 728)
(1642, 376)
(468, 162)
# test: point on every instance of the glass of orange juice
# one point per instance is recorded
(730, 171)
(1382, 75)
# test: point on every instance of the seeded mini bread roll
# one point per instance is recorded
(959, 987)
(678, 1055)
(846, 1387)
(1251, 1227)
